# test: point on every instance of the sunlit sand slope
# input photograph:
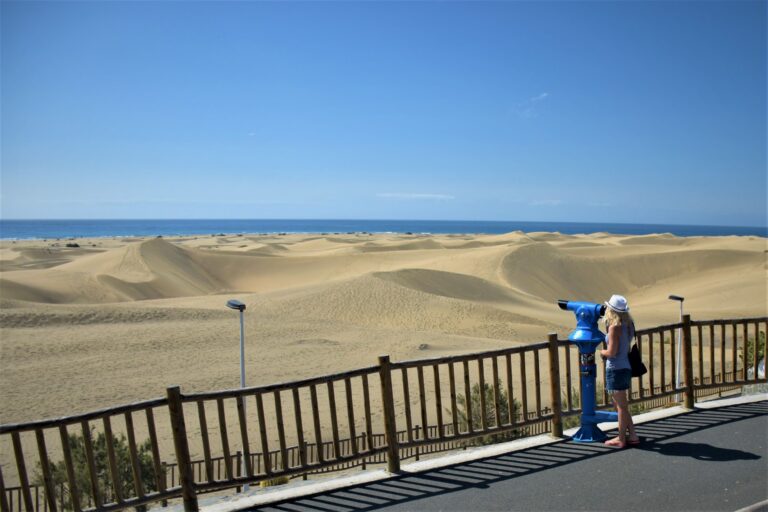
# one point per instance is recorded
(118, 320)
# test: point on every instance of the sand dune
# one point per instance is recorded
(448, 284)
(416, 245)
(104, 315)
(408, 300)
(39, 258)
(322, 303)
(144, 270)
(486, 269)
(665, 239)
(549, 272)
(578, 244)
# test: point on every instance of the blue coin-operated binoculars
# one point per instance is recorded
(587, 337)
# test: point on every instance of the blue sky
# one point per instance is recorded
(648, 112)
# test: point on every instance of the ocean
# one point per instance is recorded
(63, 229)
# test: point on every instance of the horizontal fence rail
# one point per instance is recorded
(102, 465)
(482, 395)
(283, 429)
(185, 444)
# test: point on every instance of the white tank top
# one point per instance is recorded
(621, 361)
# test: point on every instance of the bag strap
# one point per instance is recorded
(631, 333)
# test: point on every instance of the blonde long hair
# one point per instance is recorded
(615, 318)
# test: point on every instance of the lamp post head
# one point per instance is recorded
(676, 297)
(236, 304)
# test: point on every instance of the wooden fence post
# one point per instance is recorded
(4, 506)
(238, 470)
(688, 362)
(164, 482)
(393, 450)
(179, 430)
(554, 386)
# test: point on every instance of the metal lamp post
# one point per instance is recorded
(679, 343)
(236, 304)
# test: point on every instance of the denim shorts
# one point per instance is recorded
(617, 379)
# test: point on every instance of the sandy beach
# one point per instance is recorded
(118, 320)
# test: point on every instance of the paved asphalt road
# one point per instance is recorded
(704, 460)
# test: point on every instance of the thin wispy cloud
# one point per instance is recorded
(528, 108)
(405, 195)
(161, 201)
(546, 202)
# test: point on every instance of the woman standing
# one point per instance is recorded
(621, 330)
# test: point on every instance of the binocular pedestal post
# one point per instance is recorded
(589, 431)
(587, 337)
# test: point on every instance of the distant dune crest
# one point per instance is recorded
(506, 270)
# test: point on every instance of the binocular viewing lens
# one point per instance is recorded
(564, 306)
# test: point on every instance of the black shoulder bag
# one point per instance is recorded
(638, 368)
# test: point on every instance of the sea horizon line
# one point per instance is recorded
(33, 229)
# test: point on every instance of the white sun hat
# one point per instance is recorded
(618, 303)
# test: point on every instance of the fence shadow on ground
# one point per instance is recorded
(481, 473)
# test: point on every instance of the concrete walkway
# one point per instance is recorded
(712, 458)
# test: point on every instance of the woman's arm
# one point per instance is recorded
(613, 342)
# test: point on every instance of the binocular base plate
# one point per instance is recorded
(589, 431)
(589, 434)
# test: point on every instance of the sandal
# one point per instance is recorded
(616, 443)
(634, 442)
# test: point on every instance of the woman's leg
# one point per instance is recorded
(620, 401)
(625, 421)
(626, 425)
(629, 423)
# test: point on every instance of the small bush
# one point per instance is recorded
(103, 474)
(281, 480)
(749, 358)
(490, 416)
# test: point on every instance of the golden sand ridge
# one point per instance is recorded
(118, 320)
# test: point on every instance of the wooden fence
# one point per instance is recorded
(380, 414)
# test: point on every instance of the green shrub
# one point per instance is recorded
(272, 482)
(749, 357)
(103, 474)
(490, 415)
